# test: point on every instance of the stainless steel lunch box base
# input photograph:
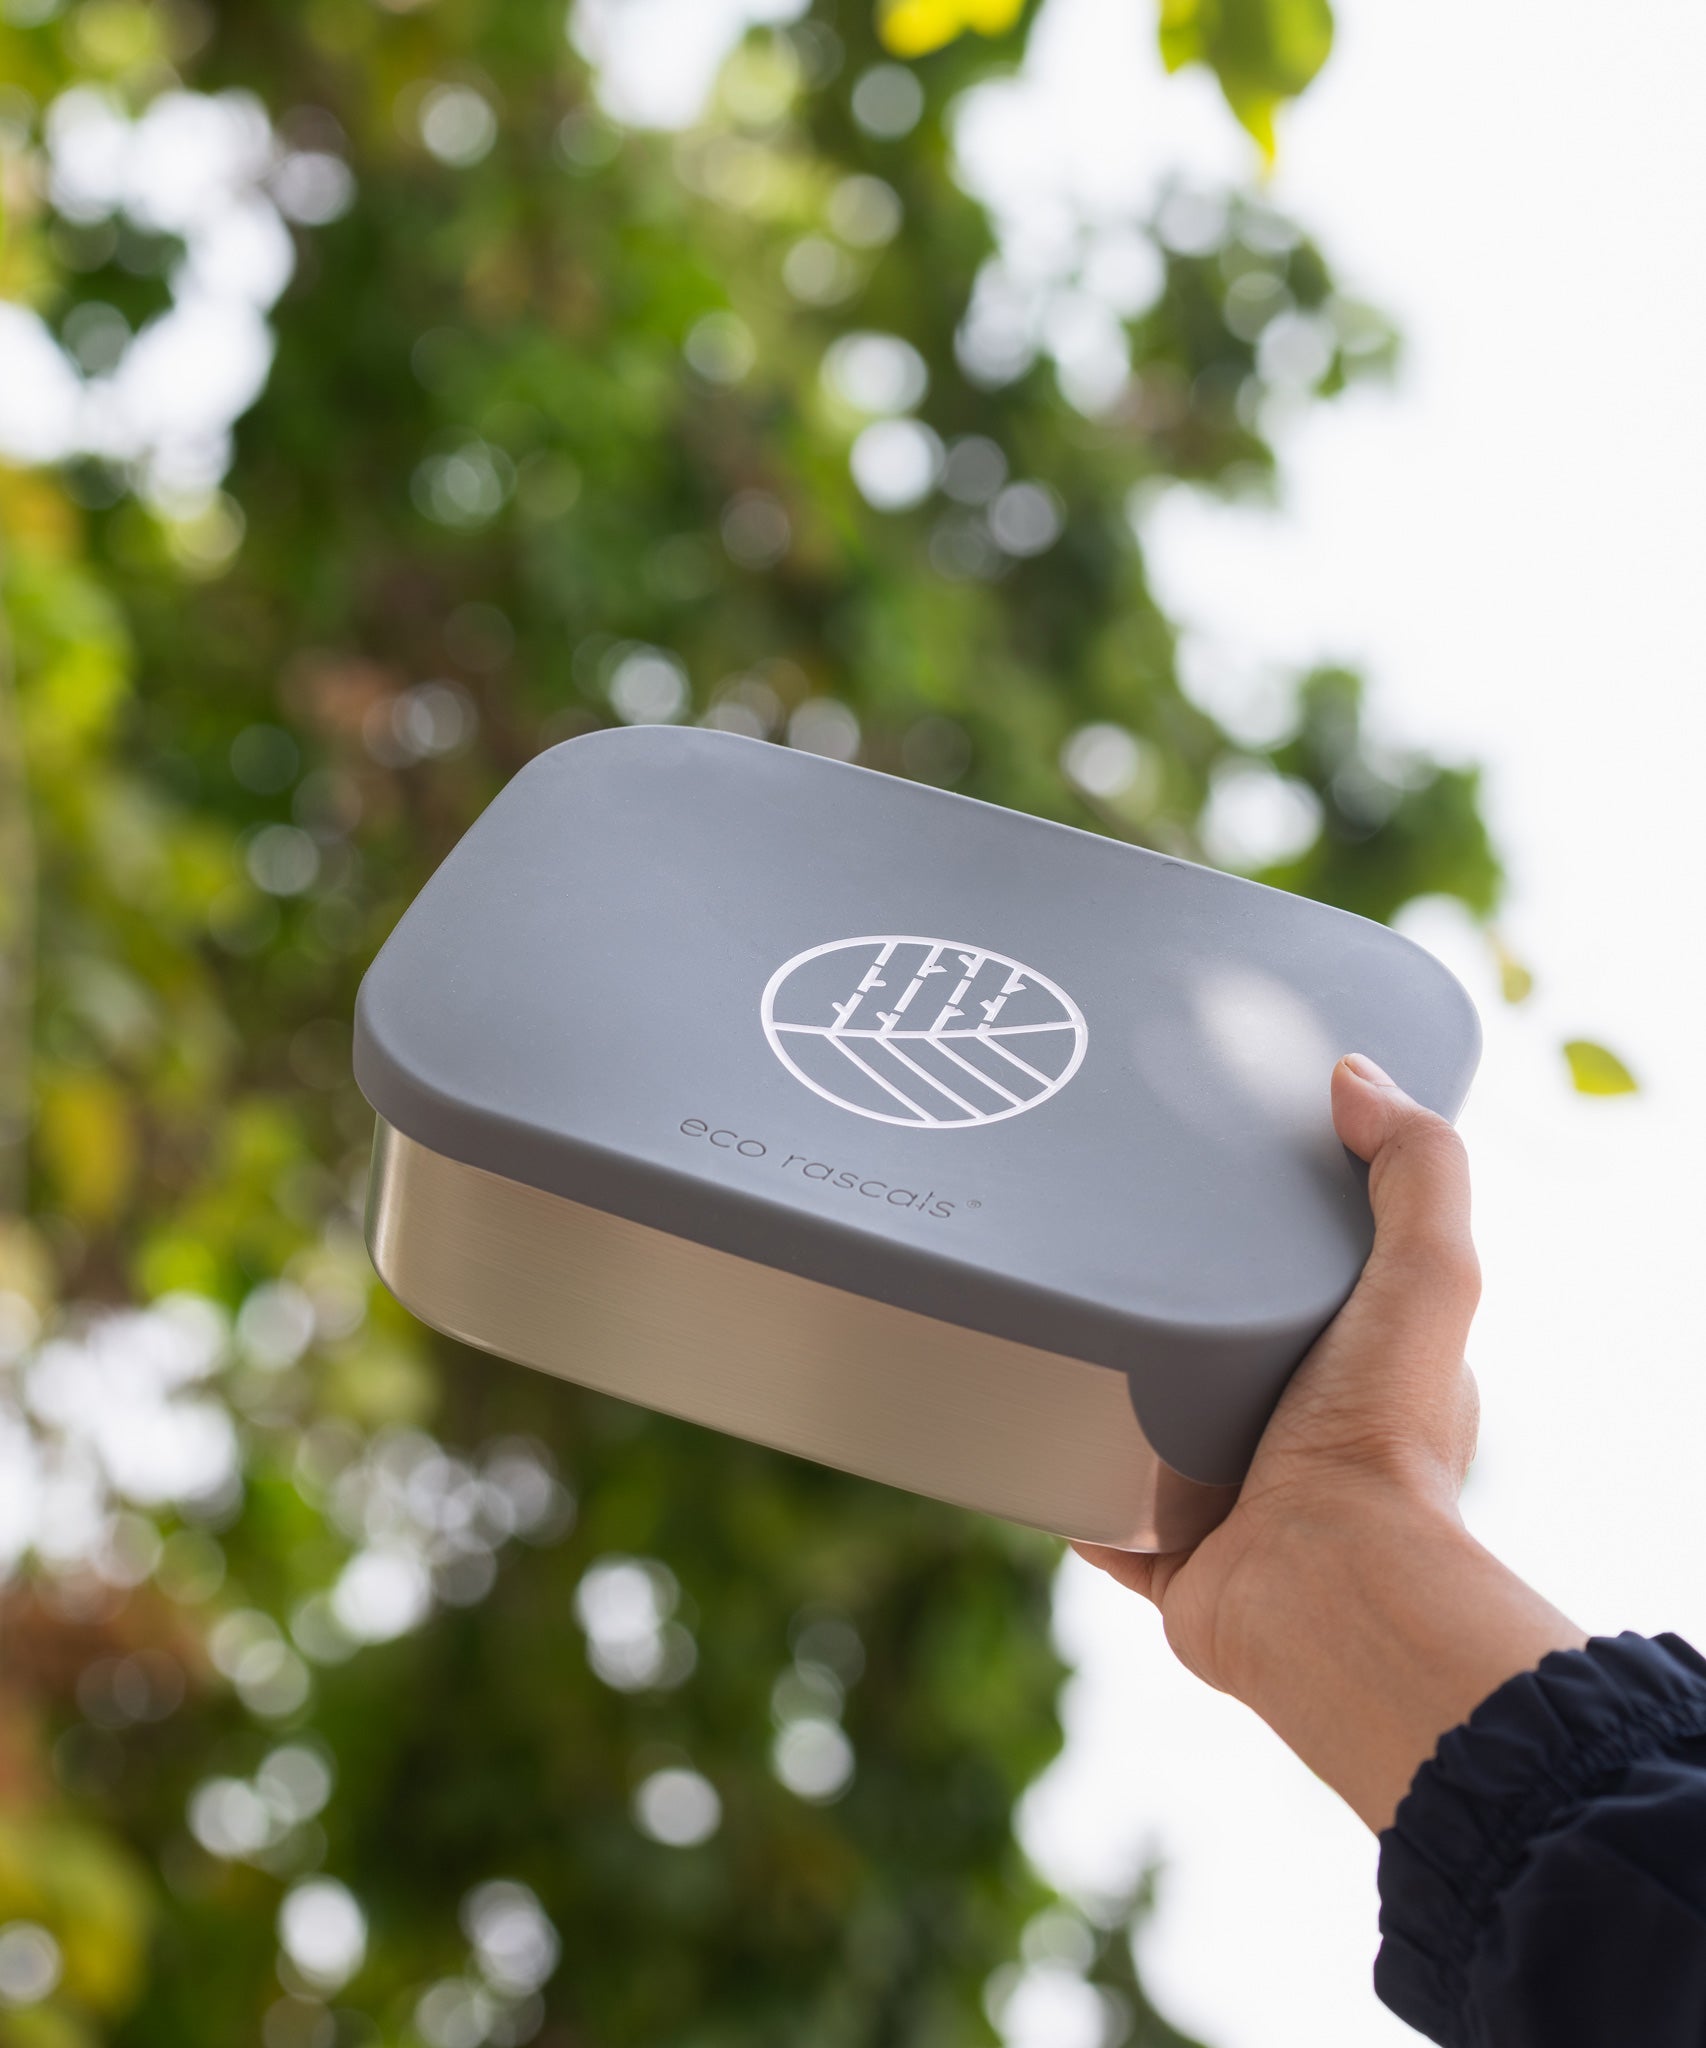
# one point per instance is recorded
(881, 1391)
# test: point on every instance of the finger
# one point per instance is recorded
(1422, 1277)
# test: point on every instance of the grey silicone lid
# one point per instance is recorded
(1007, 1074)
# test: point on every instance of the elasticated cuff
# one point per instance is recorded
(1529, 1752)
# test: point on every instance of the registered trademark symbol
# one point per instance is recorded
(974, 1205)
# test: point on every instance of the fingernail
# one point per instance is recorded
(1365, 1070)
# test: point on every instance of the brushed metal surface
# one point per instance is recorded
(884, 1392)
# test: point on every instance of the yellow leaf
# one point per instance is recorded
(86, 1139)
(37, 515)
(1597, 1071)
(913, 28)
(85, 1887)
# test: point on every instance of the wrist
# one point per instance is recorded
(1317, 1565)
(1363, 1625)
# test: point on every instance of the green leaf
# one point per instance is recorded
(1264, 52)
(1597, 1071)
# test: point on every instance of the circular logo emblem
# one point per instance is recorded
(926, 1032)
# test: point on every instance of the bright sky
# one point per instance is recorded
(1513, 546)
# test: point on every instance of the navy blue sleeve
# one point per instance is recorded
(1543, 1884)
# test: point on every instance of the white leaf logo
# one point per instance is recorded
(926, 1032)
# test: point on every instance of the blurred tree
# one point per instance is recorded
(377, 1692)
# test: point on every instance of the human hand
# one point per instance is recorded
(1342, 1598)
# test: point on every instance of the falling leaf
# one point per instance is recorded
(1597, 1071)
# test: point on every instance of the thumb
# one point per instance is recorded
(1422, 1279)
